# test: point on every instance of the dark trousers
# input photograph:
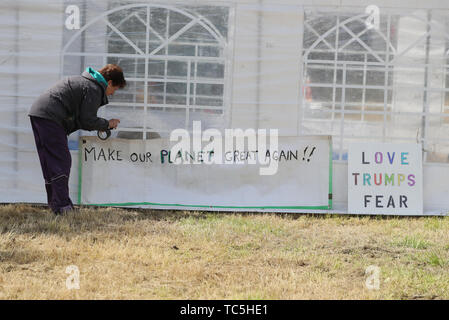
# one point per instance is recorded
(55, 158)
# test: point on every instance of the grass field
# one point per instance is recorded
(152, 254)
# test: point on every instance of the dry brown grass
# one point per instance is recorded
(151, 254)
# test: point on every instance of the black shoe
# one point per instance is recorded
(64, 210)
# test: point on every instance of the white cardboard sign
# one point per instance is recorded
(385, 178)
(139, 173)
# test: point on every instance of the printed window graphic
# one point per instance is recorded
(175, 59)
(387, 84)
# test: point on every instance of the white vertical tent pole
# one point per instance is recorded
(364, 86)
(386, 75)
(425, 111)
(306, 60)
(443, 85)
(16, 94)
(188, 95)
(195, 71)
(228, 53)
(259, 28)
(337, 33)
(302, 72)
(167, 34)
(145, 90)
(342, 116)
(135, 83)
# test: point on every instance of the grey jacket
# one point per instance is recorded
(73, 103)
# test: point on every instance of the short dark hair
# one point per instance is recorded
(114, 73)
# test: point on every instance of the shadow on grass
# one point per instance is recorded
(179, 214)
(32, 219)
(37, 218)
(19, 257)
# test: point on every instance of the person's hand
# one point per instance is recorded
(113, 123)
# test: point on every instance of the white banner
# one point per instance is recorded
(385, 178)
(122, 172)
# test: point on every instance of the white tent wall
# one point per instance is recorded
(31, 38)
(263, 78)
(39, 62)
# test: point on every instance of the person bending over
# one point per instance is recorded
(69, 105)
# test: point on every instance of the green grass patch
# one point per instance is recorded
(434, 259)
(414, 242)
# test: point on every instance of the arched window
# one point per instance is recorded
(376, 84)
(176, 62)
